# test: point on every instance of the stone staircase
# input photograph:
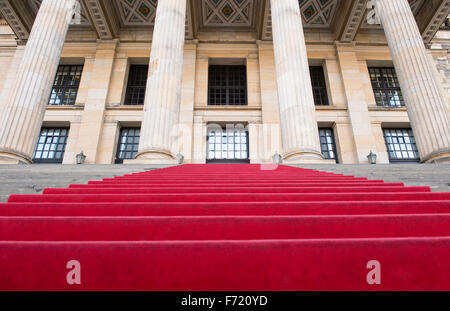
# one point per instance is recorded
(32, 179)
(228, 227)
(437, 176)
(21, 179)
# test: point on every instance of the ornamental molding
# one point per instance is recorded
(354, 21)
(239, 13)
(436, 22)
(142, 13)
(14, 21)
(316, 14)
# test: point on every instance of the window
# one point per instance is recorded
(51, 145)
(227, 85)
(137, 83)
(401, 145)
(65, 86)
(327, 143)
(319, 86)
(128, 146)
(228, 145)
(386, 87)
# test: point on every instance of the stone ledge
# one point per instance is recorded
(378, 108)
(65, 107)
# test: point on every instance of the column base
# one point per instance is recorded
(304, 157)
(8, 157)
(440, 157)
(153, 156)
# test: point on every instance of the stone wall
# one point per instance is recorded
(95, 122)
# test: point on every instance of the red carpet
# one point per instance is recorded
(227, 227)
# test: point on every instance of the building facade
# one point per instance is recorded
(147, 81)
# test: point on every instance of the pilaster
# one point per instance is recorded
(94, 109)
(269, 101)
(186, 127)
(358, 110)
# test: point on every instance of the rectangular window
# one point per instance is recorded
(65, 86)
(227, 85)
(401, 145)
(51, 145)
(327, 143)
(128, 145)
(227, 145)
(319, 86)
(137, 84)
(386, 87)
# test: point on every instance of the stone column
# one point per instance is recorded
(425, 103)
(23, 113)
(299, 130)
(159, 131)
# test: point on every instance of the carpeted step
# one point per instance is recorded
(152, 181)
(230, 175)
(226, 190)
(227, 227)
(218, 184)
(225, 208)
(235, 179)
(230, 197)
(221, 227)
(338, 264)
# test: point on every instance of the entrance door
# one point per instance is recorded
(227, 146)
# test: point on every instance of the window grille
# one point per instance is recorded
(227, 85)
(319, 86)
(137, 84)
(386, 87)
(327, 143)
(401, 145)
(51, 145)
(128, 145)
(66, 85)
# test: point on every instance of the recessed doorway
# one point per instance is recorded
(227, 145)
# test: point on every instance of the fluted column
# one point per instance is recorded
(299, 130)
(425, 103)
(22, 117)
(159, 131)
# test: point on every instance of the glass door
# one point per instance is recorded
(227, 146)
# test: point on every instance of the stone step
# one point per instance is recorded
(32, 179)
(437, 176)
